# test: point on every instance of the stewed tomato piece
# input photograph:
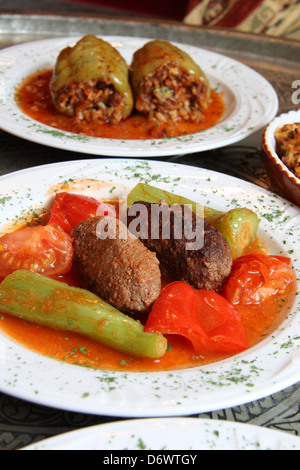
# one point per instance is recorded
(43, 249)
(258, 277)
(69, 209)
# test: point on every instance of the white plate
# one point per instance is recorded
(250, 100)
(170, 434)
(260, 371)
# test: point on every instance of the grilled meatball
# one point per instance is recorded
(207, 266)
(116, 265)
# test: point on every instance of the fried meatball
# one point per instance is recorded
(204, 265)
(116, 265)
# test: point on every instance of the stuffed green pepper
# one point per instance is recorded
(90, 81)
(168, 84)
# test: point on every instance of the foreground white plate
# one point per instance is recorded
(264, 369)
(250, 100)
(170, 434)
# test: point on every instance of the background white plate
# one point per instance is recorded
(170, 434)
(250, 100)
(263, 370)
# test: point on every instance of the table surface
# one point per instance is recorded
(23, 423)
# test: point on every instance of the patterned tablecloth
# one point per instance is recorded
(22, 423)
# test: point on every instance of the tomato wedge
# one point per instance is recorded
(257, 277)
(46, 250)
(69, 209)
(204, 317)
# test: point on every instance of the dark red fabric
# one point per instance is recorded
(192, 4)
(168, 9)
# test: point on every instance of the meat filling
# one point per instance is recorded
(172, 93)
(91, 101)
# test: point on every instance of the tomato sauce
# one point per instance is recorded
(259, 321)
(34, 99)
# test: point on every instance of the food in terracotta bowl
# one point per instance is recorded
(281, 155)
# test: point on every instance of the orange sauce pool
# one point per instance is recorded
(34, 99)
(259, 321)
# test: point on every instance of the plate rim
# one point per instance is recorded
(134, 427)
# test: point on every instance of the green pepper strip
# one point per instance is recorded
(38, 299)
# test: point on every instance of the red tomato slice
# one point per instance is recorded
(203, 317)
(69, 209)
(257, 277)
(46, 250)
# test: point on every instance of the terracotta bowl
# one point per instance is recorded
(282, 179)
